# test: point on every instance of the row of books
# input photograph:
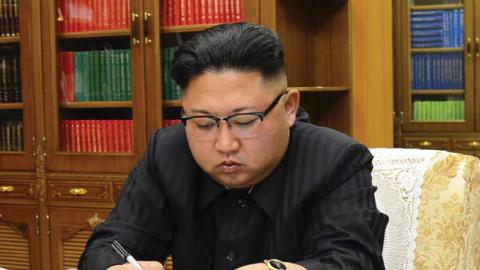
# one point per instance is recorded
(99, 75)
(171, 122)
(96, 136)
(11, 136)
(170, 89)
(437, 71)
(9, 20)
(92, 15)
(437, 28)
(10, 89)
(446, 110)
(189, 12)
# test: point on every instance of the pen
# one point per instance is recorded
(125, 255)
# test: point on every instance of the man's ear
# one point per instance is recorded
(292, 101)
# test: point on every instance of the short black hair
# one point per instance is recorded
(236, 46)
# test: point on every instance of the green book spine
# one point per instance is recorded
(108, 75)
(103, 75)
(98, 78)
(123, 77)
(164, 75)
(115, 76)
(129, 75)
(92, 75)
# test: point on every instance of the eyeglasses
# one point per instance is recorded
(243, 125)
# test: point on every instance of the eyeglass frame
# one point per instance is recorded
(260, 115)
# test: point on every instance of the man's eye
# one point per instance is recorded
(244, 122)
(205, 124)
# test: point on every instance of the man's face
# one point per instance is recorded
(234, 160)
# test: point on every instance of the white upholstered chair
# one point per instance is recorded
(433, 201)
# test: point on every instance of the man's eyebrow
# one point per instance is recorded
(237, 110)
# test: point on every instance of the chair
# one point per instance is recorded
(433, 201)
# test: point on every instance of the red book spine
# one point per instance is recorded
(75, 15)
(102, 136)
(183, 12)
(121, 135)
(203, 11)
(221, 12)
(196, 12)
(90, 15)
(110, 138)
(235, 10)
(105, 15)
(216, 13)
(189, 12)
(83, 136)
(82, 15)
(227, 11)
(241, 10)
(163, 8)
(71, 136)
(93, 136)
(132, 136)
(176, 12)
(127, 14)
(128, 136)
(116, 15)
(61, 16)
(90, 133)
(210, 11)
(116, 136)
(170, 12)
(67, 18)
(77, 139)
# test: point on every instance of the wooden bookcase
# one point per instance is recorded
(436, 84)
(52, 194)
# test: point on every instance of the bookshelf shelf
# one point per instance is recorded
(94, 34)
(429, 50)
(439, 92)
(97, 104)
(11, 106)
(11, 39)
(185, 28)
(172, 103)
(321, 88)
(446, 6)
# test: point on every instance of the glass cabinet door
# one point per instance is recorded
(440, 91)
(94, 94)
(16, 82)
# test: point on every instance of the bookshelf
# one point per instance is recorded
(436, 83)
(88, 68)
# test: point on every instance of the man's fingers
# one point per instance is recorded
(151, 265)
(147, 265)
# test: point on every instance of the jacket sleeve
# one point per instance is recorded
(140, 220)
(345, 229)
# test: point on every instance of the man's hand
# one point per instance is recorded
(150, 265)
(262, 266)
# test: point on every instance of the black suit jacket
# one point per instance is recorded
(318, 206)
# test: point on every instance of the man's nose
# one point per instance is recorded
(226, 142)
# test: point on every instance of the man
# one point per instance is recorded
(243, 180)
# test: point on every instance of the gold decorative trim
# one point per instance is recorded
(73, 176)
(17, 175)
(94, 221)
(40, 161)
